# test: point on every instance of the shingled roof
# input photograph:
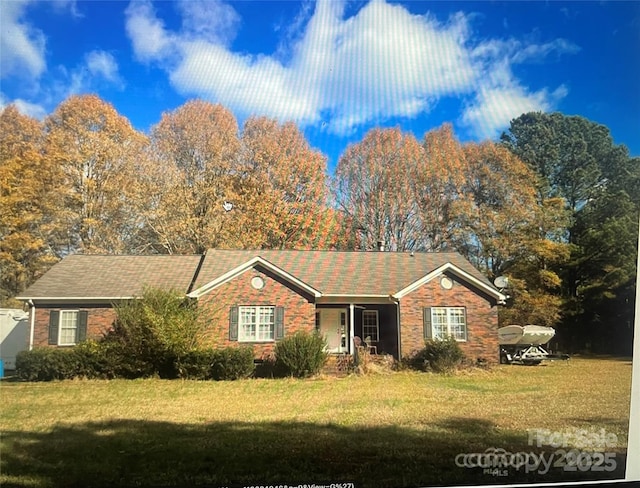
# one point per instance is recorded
(113, 277)
(341, 273)
(328, 272)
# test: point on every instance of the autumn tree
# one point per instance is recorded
(208, 186)
(436, 186)
(28, 203)
(505, 231)
(95, 150)
(476, 198)
(373, 189)
(189, 173)
(498, 211)
(282, 189)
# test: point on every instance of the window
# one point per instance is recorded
(256, 324)
(448, 321)
(370, 324)
(67, 327)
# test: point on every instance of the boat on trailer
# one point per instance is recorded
(525, 344)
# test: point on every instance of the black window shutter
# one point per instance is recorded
(54, 324)
(279, 323)
(233, 323)
(426, 322)
(81, 330)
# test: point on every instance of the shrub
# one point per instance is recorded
(117, 361)
(151, 332)
(232, 363)
(95, 360)
(219, 364)
(439, 356)
(86, 360)
(301, 354)
(196, 364)
(155, 335)
(46, 364)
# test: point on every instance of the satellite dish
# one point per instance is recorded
(227, 206)
(501, 281)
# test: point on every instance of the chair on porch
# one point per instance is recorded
(370, 346)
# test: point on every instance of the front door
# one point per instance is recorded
(333, 325)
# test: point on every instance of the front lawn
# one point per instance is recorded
(400, 429)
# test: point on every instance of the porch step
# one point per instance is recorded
(338, 365)
(343, 364)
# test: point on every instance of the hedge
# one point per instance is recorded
(105, 360)
(217, 364)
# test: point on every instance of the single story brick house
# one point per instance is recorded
(257, 297)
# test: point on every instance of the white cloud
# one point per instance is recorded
(24, 107)
(102, 64)
(386, 62)
(97, 69)
(151, 42)
(209, 20)
(380, 63)
(500, 97)
(22, 47)
(494, 107)
(22, 57)
(537, 52)
(70, 6)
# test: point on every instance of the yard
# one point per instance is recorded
(399, 429)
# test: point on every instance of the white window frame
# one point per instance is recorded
(450, 313)
(61, 322)
(375, 338)
(257, 336)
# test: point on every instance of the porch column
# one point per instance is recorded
(398, 327)
(352, 320)
(32, 317)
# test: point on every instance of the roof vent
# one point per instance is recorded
(381, 246)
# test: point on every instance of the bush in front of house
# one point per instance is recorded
(86, 360)
(196, 364)
(106, 360)
(47, 364)
(231, 363)
(438, 356)
(96, 360)
(151, 332)
(301, 354)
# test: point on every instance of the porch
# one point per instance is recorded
(341, 323)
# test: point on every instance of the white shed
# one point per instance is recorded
(14, 335)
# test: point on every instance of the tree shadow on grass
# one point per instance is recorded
(144, 453)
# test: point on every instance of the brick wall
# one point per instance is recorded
(299, 310)
(99, 320)
(482, 319)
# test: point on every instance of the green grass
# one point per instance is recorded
(399, 429)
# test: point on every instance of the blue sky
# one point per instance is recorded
(337, 68)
